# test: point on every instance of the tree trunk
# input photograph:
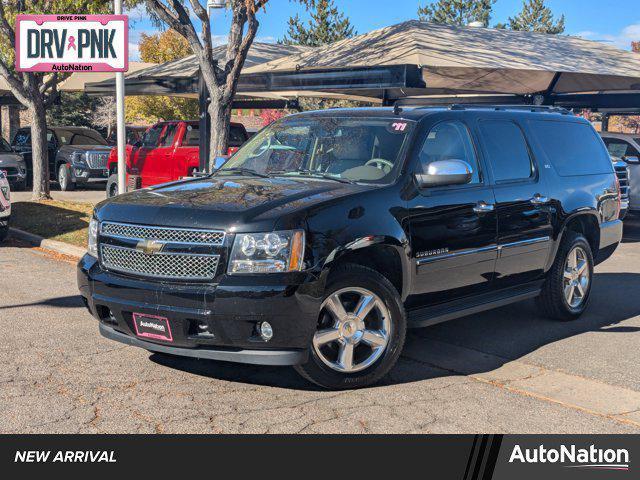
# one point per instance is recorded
(39, 149)
(220, 114)
(14, 121)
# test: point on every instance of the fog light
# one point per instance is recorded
(266, 332)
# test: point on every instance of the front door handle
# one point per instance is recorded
(539, 199)
(484, 207)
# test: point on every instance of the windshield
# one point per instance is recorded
(343, 149)
(4, 146)
(80, 137)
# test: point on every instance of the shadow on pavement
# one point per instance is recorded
(71, 301)
(506, 334)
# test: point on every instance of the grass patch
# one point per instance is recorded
(55, 220)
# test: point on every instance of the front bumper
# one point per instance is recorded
(82, 175)
(214, 321)
(256, 357)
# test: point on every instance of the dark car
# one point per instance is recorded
(13, 166)
(77, 155)
(5, 206)
(330, 233)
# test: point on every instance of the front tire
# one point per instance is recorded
(112, 186)
(4, 233)
(64, 178)
(361, 330)
(565, 294)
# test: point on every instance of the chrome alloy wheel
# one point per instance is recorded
(576, 277)
(62, 179)
(355, 327)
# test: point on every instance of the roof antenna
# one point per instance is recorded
(396, 108)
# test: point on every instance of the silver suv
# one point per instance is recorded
(5, 206)
(626, 148)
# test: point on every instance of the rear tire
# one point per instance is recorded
(64, 178)
(374, 339)
(566, 291)
(112, 186)
(4, 233)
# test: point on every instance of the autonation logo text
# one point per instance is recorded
(573, 457)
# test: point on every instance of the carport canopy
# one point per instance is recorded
(418, 58)
(181, 77)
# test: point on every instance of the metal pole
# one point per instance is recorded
(120, 126)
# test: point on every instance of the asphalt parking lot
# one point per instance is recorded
(508, 370)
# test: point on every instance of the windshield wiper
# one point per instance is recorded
(313, 173)
(241, 171)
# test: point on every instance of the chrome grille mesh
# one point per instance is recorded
(177, 266)
(178, 235)
(97, 160)
(622, 173)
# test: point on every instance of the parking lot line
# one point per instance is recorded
(572, 391)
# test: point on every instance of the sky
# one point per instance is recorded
(616, 22)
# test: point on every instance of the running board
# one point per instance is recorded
(425, 317)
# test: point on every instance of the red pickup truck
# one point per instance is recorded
(168, 151)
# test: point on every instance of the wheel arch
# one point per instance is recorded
(585, 223)
(385, 255)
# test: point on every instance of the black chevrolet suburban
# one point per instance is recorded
(330, 233)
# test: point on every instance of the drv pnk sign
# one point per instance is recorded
(72, 43)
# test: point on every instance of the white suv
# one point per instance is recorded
(627, 148)
(5, 206)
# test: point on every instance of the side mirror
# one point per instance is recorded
(632, 159)
(445, 172)
(219, 162)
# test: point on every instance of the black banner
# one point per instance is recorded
(463, 457)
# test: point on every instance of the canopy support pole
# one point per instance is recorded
(120, 125)
(205, 125)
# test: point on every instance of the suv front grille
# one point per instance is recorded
(97, 160)
(622, 172)
(177, 253)
(174, 266)
(177, 235)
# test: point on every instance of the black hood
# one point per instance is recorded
(223, 202)
(87, 148)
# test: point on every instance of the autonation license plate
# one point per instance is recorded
(150, 326)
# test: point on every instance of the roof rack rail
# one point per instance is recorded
(530, 108)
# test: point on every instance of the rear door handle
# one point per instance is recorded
(539, 199)
(484, 207)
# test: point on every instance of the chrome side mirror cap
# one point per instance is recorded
(445, 172)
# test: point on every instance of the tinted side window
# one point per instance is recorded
(169, 134)
(22, 138)
(507, 150)
(192, 137)
(572, 148)
(449, 141)
(236, 136)
(620, 148)
(152, 136)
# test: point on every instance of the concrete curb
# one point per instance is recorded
(37, 241)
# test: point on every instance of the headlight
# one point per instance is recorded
(272, 252)
(78, 159)
(5, 193)
(92, 248)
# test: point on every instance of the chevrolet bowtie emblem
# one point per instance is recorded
(149, 247)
